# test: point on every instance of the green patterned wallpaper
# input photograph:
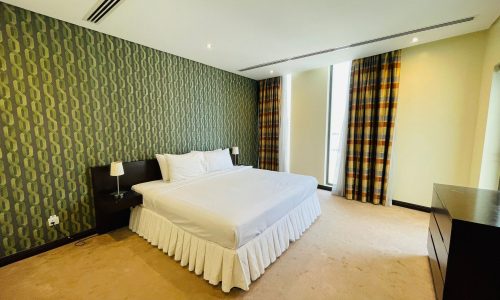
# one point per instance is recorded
(72, 98)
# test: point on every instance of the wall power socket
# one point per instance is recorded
(53, 220)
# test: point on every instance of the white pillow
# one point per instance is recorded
(162, 161)
(204, 159)
(218, 160)
(185, 166)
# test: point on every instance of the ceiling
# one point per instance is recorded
(249, 32)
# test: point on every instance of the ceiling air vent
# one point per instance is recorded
(102, 9)
(358, 44)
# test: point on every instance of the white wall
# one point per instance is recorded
(490, 164)
(308, 123)
(486, 156)
(436, 116)
(443, 104)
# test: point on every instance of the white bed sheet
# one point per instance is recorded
(228, 207)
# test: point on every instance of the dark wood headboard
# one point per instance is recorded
(135, 172)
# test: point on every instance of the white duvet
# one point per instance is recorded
(228, 207)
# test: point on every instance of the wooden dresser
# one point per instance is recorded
(464, 242)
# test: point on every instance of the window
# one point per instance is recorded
(337, 123)
(285, 117)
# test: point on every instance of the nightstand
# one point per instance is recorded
(112, 213)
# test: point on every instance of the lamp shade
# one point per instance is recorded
(116, 169)
(235, 150)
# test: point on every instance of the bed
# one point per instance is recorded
(228, 225)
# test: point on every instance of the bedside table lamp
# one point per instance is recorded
(117, 170)
(236, 151)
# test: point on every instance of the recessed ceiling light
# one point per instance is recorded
(414, 40)
(209, 46)
(271, 72)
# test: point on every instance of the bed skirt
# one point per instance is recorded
(233, 267)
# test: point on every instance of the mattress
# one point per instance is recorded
(228, 207)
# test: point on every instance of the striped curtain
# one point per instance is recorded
(269, 123)
(372, 110)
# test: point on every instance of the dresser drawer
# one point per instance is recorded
(434, 228)
(443, 220)
(440, 250)
(436, 272)
(464, 232)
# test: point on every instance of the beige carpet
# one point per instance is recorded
(353, 251)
